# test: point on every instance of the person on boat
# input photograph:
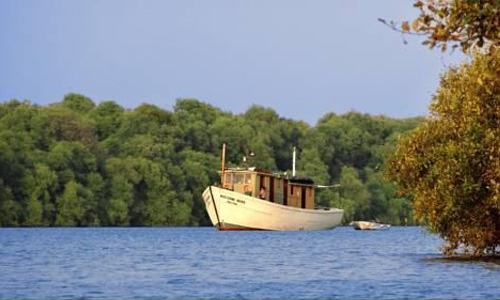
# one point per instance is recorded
(262, 193)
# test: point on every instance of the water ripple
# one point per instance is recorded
(202, 263)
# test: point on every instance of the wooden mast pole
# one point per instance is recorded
(223, 164)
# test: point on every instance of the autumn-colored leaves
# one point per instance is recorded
(450, 165)
(464, 24)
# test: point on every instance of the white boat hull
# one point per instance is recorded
(363, 225)
(229, 210)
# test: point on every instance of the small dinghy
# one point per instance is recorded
(364, 225)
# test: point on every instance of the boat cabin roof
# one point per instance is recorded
(254, 170)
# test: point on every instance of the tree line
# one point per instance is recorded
(78, 163)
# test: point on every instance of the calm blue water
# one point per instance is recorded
(205, 263)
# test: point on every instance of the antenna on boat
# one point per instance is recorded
(223, 164)
(293, 165)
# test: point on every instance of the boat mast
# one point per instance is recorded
(293, 165)
(223, 164)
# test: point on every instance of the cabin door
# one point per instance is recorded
(271, 189)
(262, 185)
(303, 197)
(285, 192)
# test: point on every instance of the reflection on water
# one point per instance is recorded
(204, 263)
(492, 263)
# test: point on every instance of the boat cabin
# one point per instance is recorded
(272, 187)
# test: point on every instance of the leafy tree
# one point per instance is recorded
(354, 195)
(41, 186)
(9, 209)
(465, 23)
(192, 118)
(450, 165)
(310, 165)
(121, 197)
(107, 116)
(380, 196)
(68, 125)
(94, 198)
(78, 103)
(400, 212)
(293, 134)
(70, 205)
(468, 24)
(199, 172)
(236, 133)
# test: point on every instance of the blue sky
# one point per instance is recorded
(301, 58)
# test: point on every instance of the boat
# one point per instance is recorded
(364, 225)
(257, 199)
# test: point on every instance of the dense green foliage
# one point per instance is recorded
(451, 164)
(75, 163)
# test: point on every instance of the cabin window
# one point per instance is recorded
(228, 178)
(248, 178)
(291, 189)
(239, 178)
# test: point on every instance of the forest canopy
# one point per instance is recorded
(81, 163)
